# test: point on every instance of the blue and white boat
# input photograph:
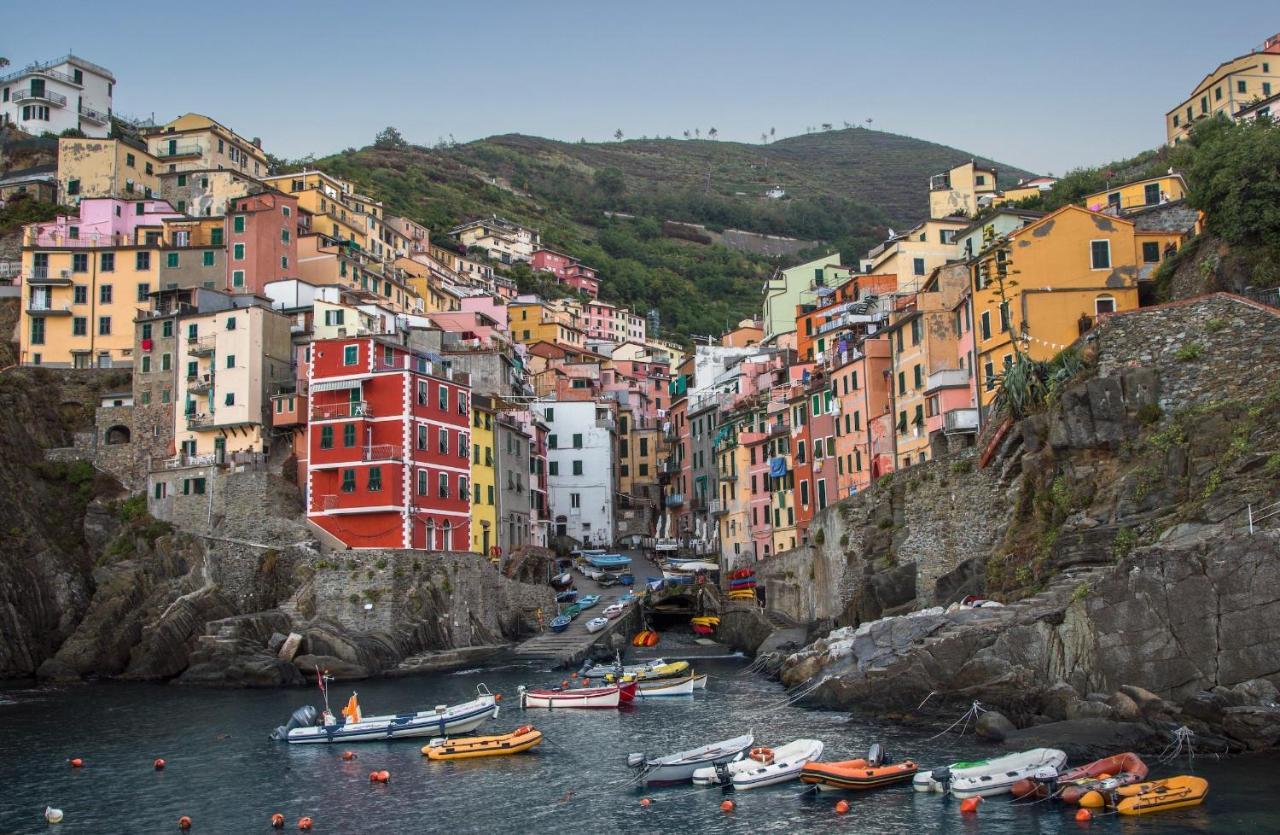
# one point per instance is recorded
(353, 726)
(588, 601)
(560, 623)
(610, 561)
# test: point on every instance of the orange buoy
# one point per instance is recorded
(277, 821)
(564, 683)
(842, 807)
(728, 806)
(304, 824)
(384, 776)
(184, 823)
(76, 762)
(1084, 815)
(969, 806)
(645, 802)
(348, 755)
(159, 764)
(497, 697)
(373, 776)
(1092, 800)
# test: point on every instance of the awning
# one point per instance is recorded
(334, 385)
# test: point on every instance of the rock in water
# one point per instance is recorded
(994, 726)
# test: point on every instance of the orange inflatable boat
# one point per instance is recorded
(1104, 775)
(856, 774)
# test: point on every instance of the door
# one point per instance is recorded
(219, 449)
(173, 147)
(484, 538)
(354, 399)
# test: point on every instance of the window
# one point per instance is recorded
(237, 223)
(144, 290)
(348, 435)
(231, 323)
(917, 331)
(237, 252)
(142, 261)
(104, 326)
(902, 382)
(553, 467)
(208, 258)
(348, 481)
(350, 354)
(442, 485)
(1100, 254)
(804, 492)
(80, 327)
(917, 266)
(1104, 304)
(577, 441)
(73, 187)
(442, 441)
(1151, 193)
(1241, 87)
(918, 376)
(237, 278)
(375, 479)
(326, 437)
(1005, 319)
(577, 467)
(575, 500)
(104, 294)
(166, 362)
(166, 329)
(108, 262)
(171, 260)
(442, 397)
(1150, 252)
(37, 331)
(231, 398)
(231, 360)
(80, 262)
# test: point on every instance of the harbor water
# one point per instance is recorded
(227, 775)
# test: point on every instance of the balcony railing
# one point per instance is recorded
(850, 319)
(179, 149)
(948, 378)
(30, 94)
(199, 383)
(716, 508)
(958, 421)
(338, 411)
(43, 276)
(45, 307)
(383, 452)
(201, 345)
(606, 423)
(199, 421)
(675, 500)
(94, 115)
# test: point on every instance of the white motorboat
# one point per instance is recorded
(618, 669)
(613, 610)
(781, 765)
(660, 687)
(596, 624)
(679, 768)
(985, 778)
(587, 697)
(700, 681)
(353, 726)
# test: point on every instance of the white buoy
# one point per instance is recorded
(52, 815)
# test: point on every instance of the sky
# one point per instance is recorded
(1035, 85)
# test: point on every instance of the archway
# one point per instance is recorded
(117, 434)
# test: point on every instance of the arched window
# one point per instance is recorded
(116, 435)
(448, 537)
(431, 534)
(1104, 304)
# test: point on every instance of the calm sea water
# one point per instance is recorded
(226, 774)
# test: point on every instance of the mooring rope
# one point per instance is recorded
(972, 713)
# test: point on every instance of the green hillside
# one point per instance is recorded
(844, 188)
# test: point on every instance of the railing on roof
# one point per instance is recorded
(179, 149)
(94, 115)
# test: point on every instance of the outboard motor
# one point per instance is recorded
(942, 776)
(875, 755)
(1048, 775)
(722, 775)
(635, 760)
(303, 717)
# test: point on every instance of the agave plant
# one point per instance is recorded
(1027, 385)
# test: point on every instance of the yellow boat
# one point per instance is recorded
(518, 741)
(669, 670)
(1157, 796)
(706, 621)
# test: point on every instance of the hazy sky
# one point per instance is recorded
(1037, 85)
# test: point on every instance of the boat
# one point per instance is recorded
(587, 552)
(703, 629)
(354, 726)
(700, 681)
(572, 612)
(587, 697)
(591, 573)
(567, 596)
(654, 672)
(588, 601)
(596, 624)
(769, 767)
(646, 638)
(679, 768)
(664, 687)
(560, 623)
(609, 561)
(1160, 795)
(562, 581)
(518, 741)
(653, 583)
(707, 620)
(1104, 775)
(626, 579)
(990, 777)
(870, 772)
(614, 609)
(657, 668)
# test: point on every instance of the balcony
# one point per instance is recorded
(382, 452)
(960, 421)
(849, 320)
(89, 114)
(199, 383)
(674, 500)
(174, 150)
(716, 507)
(31, 94)
(606, 423)
(201, 346)
(43, 276)
(947, 379)
(341, 411)
(199, 421)
(779, 429)
(359, 502)
(42, 306)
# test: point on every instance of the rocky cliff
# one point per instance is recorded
(1114, 525)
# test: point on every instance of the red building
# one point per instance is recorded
(567, 270)
(389, 452)
(262, 241)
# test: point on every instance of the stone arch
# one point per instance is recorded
(118, 434)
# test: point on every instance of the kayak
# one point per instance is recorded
(766, 768)
(518, 741)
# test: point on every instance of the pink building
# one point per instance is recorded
(605, 321)
(489, 306)
(567, 270)
(758, 496)
(470, 325)
(103, 221)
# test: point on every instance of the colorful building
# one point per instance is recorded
(193, 142)
(1138, 194)
(786, 289)
(567, 270)
(962, 190)
(121, 168)
(484, 478)
(67, 93)
(501, 240)
(1228, 89)
(389, 452)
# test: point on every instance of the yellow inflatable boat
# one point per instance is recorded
(1157, 796)
(467, 747)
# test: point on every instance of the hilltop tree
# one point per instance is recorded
(772, 132)
(617, 134)
(389, 137)
(826, 126)
(713, 133)
(697, 132)
(764, 137)
(686, 134)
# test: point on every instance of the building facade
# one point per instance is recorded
(67, 93)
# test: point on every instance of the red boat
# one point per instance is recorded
(584, 697)
(1102, 775)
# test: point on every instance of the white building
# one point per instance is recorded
(67, 93)
(580, 469)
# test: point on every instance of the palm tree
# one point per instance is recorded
(617, 134)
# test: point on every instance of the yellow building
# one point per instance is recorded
(960, 191)
(325, 261)
(194, 142)
(105, 168)
(1234, 85)
(484, 479)
(913, 255)
(531, 322)
(1067, 269)
(732, 510)
(1139, 194)
(329, 202)
(229, 364)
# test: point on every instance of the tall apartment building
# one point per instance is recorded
(193, 142)
(1232, 87)
(67, 93)
(388, 446)
(121, 168)
(580, 471)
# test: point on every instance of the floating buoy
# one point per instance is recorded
(728, 806)
(969, 806)
(842, 807)
(384, 776)
(564, 683)
(277, 821)
(373, 776)
(158, 764)
(184, 823)
(348, 755)
(52, 815)
(1084, 815)
(76, 762)
(645, 802)
(304, 824)
(497, 697)
(1092, 800)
